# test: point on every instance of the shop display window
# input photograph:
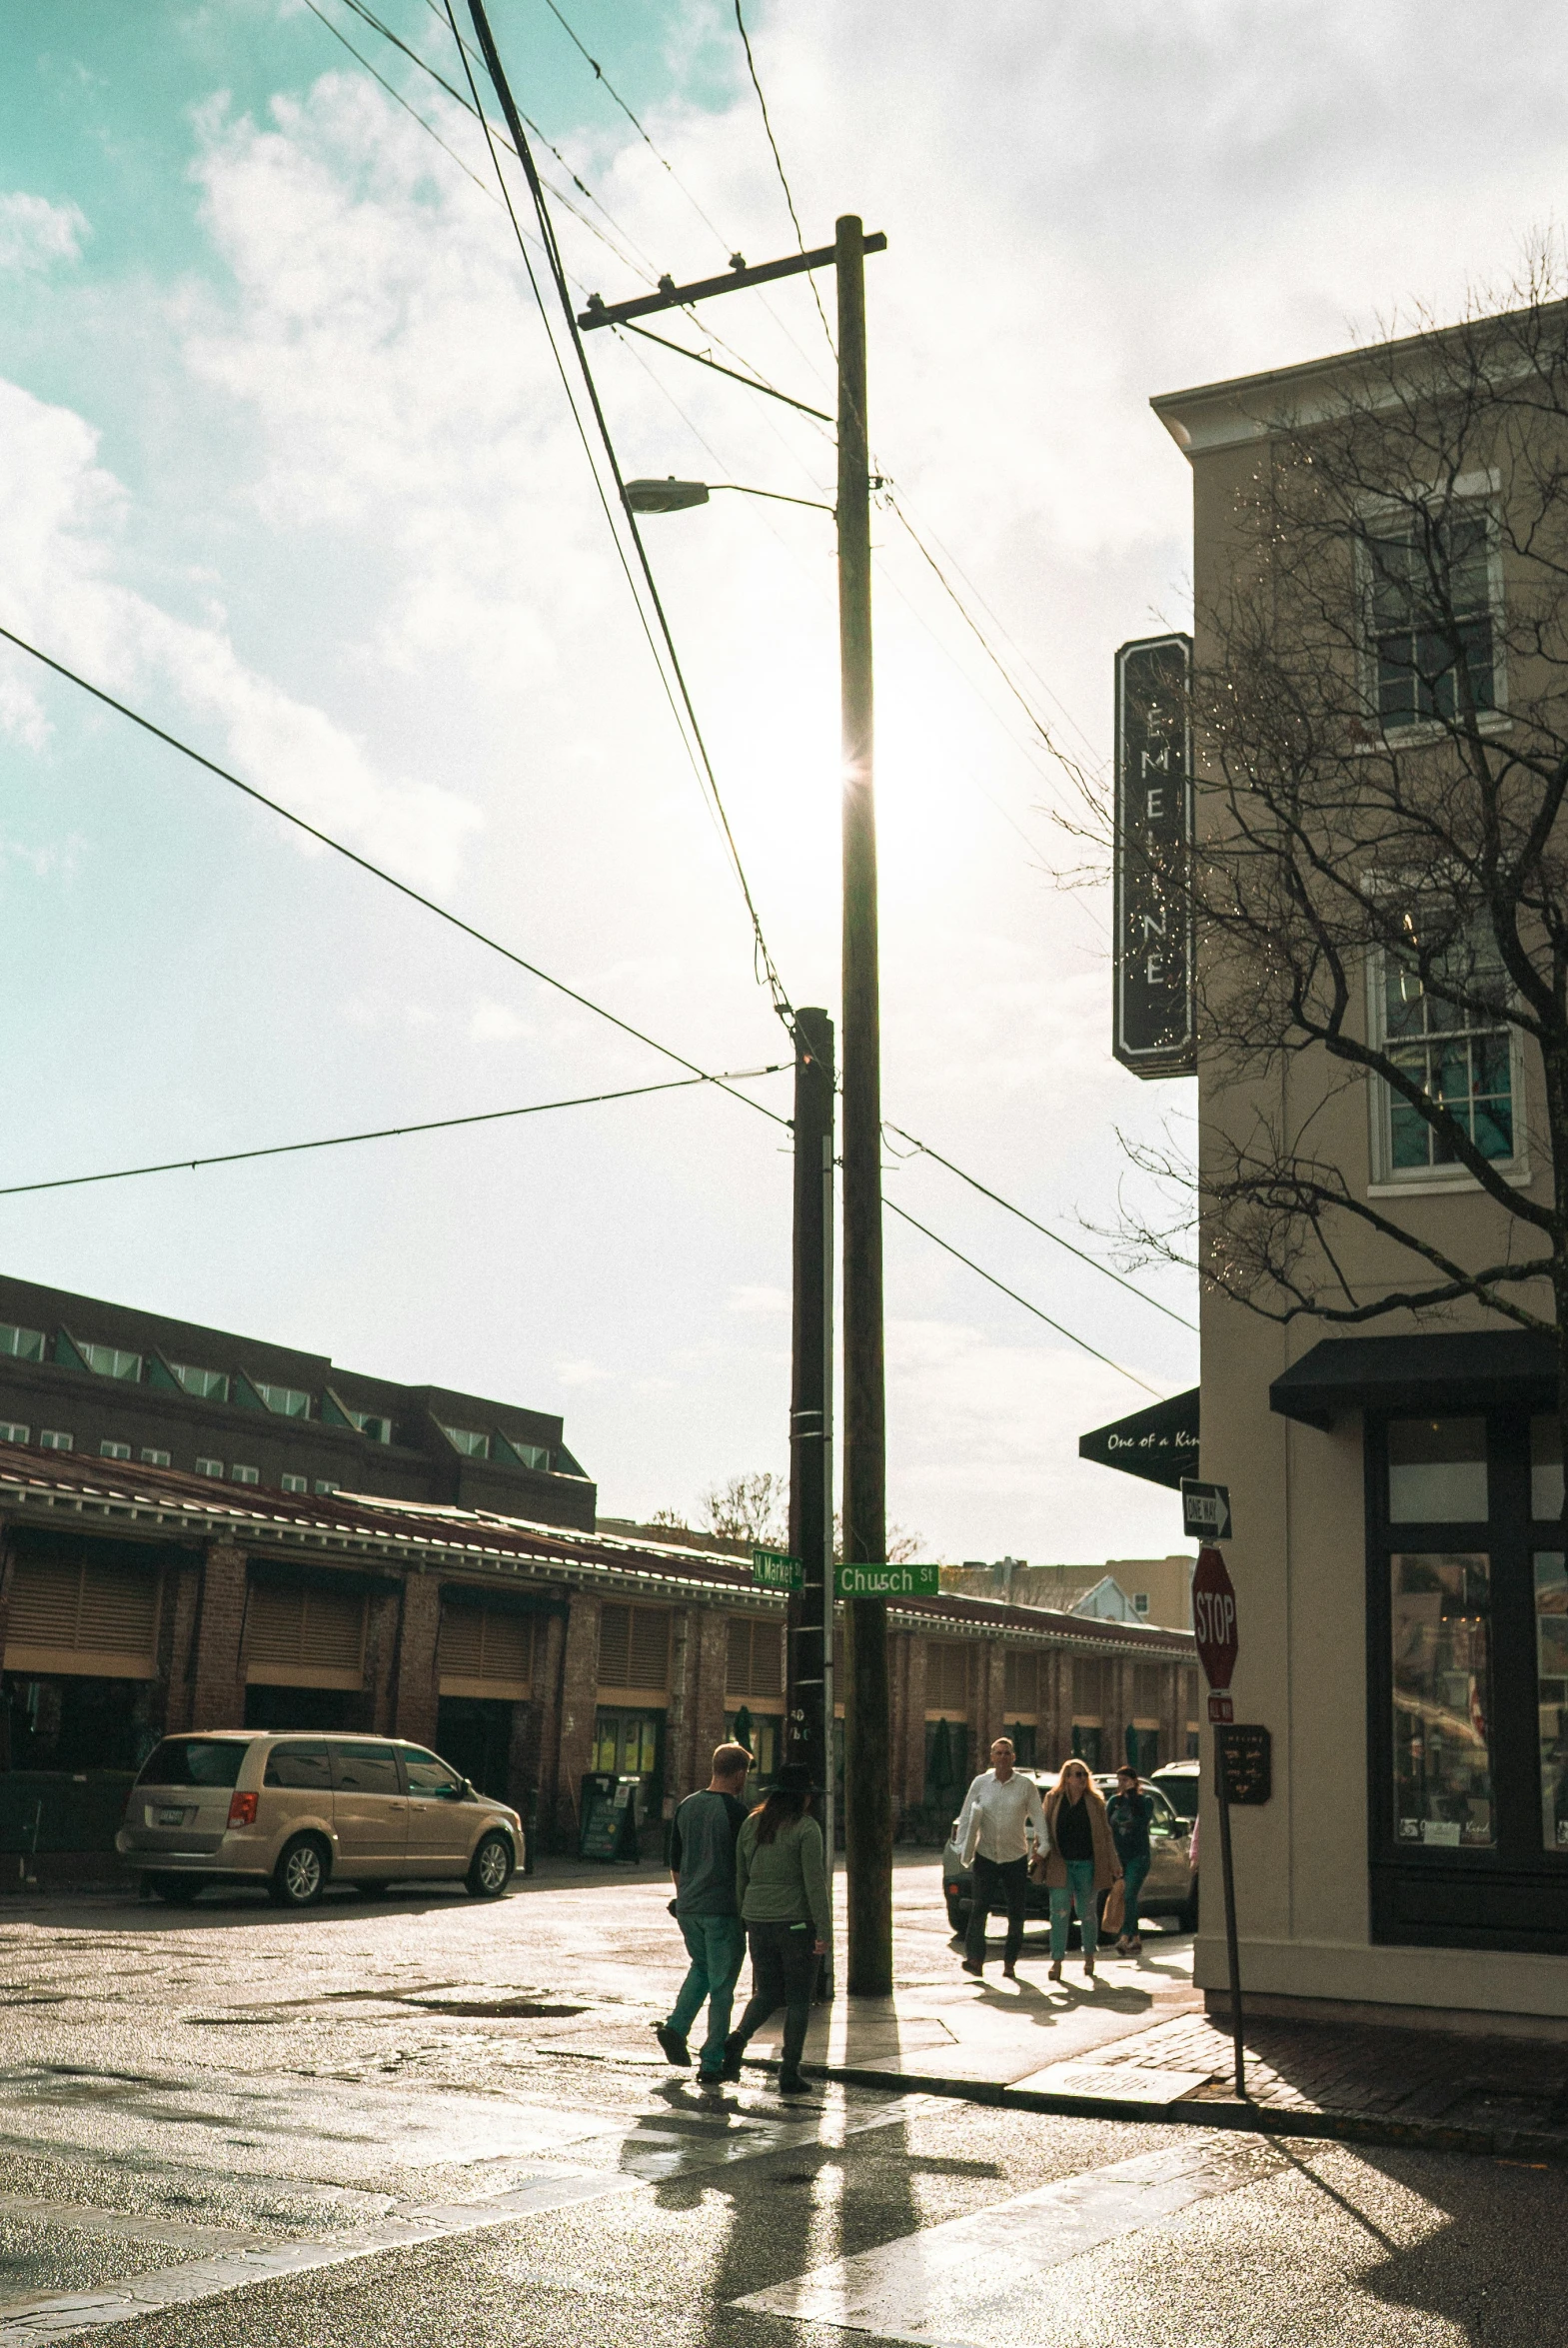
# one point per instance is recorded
(1551, 1653)
(1442, 1709)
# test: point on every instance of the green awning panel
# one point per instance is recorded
(1159, 1444)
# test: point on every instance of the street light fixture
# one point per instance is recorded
(672, 496)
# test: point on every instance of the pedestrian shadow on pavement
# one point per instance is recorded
(806, 2203)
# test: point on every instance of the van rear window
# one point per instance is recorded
(193, 1760)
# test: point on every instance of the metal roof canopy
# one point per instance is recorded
(1161, 1443)
(1438, 1372)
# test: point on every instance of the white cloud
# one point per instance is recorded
(762, 1301)
(63, 518)
(34, 233)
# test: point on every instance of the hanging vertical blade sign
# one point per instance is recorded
(1154, 1029)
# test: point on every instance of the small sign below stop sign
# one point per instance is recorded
(1214, 1617)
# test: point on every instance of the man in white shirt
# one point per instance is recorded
(1000, 1817)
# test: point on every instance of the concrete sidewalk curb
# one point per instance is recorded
(1253, 2119)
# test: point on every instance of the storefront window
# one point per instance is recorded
(1551, 1649)
(1443, 1701)
(1437, 1472)
(1546, 1468)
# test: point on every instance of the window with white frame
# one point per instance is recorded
(288, 1401)
(112, 1361)
(324, 1487)
(26, 1343)
(207, 1385)
(52, 1438)
(151, 1456)
(209, 1468)
(10, 1433)
(1432, 597)
(108, 1450)
(1458, 1054)
(239, 1475)
(295, 1483)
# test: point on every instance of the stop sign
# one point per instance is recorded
(1214, 1617)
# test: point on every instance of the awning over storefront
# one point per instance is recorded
(1159, 1444)
(1470, 1368)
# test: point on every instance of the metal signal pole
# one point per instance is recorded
(811, 1637)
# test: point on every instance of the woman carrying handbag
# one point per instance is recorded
(1082, 1861)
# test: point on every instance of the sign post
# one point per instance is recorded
(1214, 1623)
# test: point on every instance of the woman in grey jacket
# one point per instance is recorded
(781, 1884)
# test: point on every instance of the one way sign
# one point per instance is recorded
(1205, 1511)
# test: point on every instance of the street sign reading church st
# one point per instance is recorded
(1154, 1023)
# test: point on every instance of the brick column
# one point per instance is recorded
(182, 1599)
(412, 1699)
(707, 1658)
(679, 1757)
(218, 1695)
(549, 1642)
(1053, 1738)
(992, 1707)
(914, 1761)
(579, 1693)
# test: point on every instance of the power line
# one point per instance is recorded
(397, 96)
(925, 1151)
(503, 91)
(600, 75)
(783, 182)
(1081, 1342)
(376, 873)
(437, 1124)
(1064, 757)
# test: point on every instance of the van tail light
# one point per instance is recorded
(242, 1811)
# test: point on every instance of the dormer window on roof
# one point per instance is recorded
(112, 1361)
(469, 1440)
(207, 1385)
(288, 1401)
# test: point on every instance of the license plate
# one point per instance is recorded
(171, 1817)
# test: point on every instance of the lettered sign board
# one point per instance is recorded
(1154, 1023)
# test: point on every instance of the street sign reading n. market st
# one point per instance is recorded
(1155, 1025)
(886, 1581)
(771, 1570)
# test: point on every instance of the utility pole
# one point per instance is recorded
(867, 1796)
(810, 1696)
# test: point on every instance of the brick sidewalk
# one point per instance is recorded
(1358, 2069)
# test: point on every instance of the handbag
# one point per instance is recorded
(1115, 1907)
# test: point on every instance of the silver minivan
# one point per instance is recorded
(234, 1805)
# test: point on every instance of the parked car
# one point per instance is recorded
(1178, 1781)
(291, 1812)
(1170, 1889)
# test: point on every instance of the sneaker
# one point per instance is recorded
(673, 2045)
(735, 2047)
(710, 2079)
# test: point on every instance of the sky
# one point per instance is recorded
(286, 464)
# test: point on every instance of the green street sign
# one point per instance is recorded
(885, 1582)
(771, 1570)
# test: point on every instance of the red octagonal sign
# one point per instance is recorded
(1214, 1617)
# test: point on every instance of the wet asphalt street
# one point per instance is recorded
(426, 2120)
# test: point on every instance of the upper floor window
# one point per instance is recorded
(208, 1385)
(1458, 1053)
(26, 1343)
(468, 1441)
(378, 1430)
(112, 1361)
(1432, 613)
(288, 1401)
(10, 1433)
(108, 1450)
